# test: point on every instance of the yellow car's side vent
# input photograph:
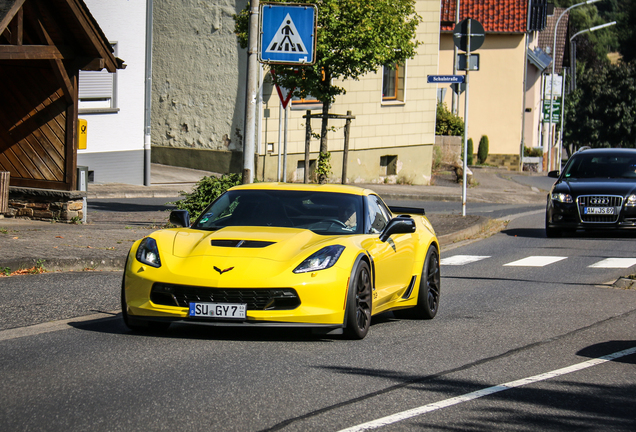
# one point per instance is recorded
(241, 243)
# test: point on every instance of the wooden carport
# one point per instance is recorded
(43, 46)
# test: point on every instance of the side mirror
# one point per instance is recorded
(180, 218)
(553, 174)
(398, 225)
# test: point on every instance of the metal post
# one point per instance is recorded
(280, 137)
(251, 92)
(307, 143)
(345, 153)
(148, 95)
(285, 144)
(455, 96)
(464, 176)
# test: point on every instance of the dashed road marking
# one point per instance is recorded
(462, 259)
(536, 261)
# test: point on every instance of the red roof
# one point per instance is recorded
(497, 16)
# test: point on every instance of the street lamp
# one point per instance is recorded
(573, 56)
(556, 26)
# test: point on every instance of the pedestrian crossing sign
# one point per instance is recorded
(288, 33)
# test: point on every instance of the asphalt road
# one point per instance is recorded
(515, 347)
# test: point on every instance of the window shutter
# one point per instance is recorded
(95, 84)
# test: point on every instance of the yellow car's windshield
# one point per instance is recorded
(325, 213)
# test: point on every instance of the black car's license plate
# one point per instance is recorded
(598, 210)
(218, 310)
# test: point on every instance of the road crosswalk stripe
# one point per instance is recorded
(462, 259)
(535, 261)
(615, 263)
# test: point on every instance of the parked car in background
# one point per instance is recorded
(595, 190)
(325, 257)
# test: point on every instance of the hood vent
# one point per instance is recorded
(241, 243)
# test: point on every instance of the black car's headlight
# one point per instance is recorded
(148, 253)
(323, 259)
(631, 200)
(562, 197)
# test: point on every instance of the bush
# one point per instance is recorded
(447, 123)
(205, 191)
(482, 152)
(532, 152)
(469, 151)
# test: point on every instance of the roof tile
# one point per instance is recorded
(496, 16)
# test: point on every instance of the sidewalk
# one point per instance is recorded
(103, 242)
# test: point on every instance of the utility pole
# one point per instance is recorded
(251, 94)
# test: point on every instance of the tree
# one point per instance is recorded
(601, 112)
(354, 37)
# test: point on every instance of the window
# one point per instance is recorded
(97, 90)
(377, 215)
(393, 83)
(388, 165)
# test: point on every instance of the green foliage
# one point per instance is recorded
(205, 191)
(482, 151)
(323, 167)
(437, 157)
(5, 271)
(448, 123)
(532, 152)
(601, 112)
(469, 151)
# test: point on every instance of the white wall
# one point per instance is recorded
(123, 22)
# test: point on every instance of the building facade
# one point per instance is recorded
(199, 99)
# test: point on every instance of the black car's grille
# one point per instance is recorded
(600, 201)
(255, 298)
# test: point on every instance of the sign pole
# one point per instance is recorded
(464, 176)
(280, 136)
(250, 96)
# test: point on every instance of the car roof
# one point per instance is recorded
(603, 151)
(329, 188)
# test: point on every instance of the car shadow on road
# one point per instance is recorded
(115, 325)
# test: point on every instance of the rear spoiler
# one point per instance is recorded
(407, 210)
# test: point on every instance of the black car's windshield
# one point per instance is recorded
(591, 166)
(321, 212)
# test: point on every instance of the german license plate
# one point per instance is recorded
(218, 310)
(599, 210)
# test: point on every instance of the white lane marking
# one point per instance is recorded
(535, 261)
(50, 326)
(615, 263)
(458, 260)
(404, 415)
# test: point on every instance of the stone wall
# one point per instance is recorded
(45, 204)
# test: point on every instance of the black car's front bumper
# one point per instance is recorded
(569, 216)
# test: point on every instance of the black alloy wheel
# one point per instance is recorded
(430, 283)
(359, 302)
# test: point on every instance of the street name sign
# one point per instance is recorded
(287, 34)
(444, 79)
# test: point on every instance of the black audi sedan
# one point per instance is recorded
(596, 190)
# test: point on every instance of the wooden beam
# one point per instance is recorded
(10, 14)
(17, 28)
(31, 52)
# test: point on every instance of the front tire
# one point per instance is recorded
(358, 313)
(549, 231)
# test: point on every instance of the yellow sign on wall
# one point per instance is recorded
(82, 129)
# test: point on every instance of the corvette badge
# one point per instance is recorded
(222, 271)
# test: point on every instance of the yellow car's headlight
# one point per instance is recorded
(323, 259)
(148, 253)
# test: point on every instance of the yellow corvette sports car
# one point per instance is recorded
(326, 257)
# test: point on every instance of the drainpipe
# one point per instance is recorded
(525, 88)
(148, 93)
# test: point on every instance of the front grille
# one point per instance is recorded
(255, 298)
(601, 201)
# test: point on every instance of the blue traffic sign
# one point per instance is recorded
(288, 34)
(442, 79)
